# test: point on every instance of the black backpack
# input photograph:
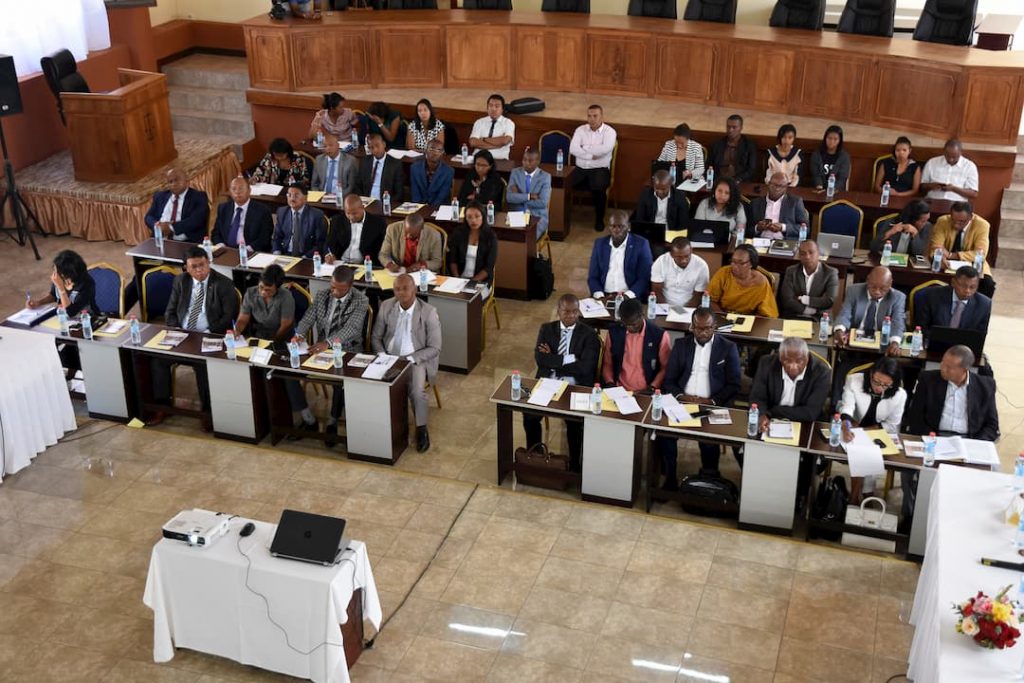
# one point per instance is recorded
(709, 495)
(830, 505)
(540, 279)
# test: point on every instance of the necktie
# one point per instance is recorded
(174, 209)
(958, 312)
(296, 234)
(236, 224)
(958, 241)
(331, 172)
(527, 185)
(491, 134)
(373, 178)
(870, 318)
(563, 344)
(196, 308)
(335, 317)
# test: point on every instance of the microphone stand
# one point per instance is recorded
(17, 204)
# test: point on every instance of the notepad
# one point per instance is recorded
(360, 360)
(687, 420)
(592, 308)
(406, 208)
(682, 315)
(865, 460)
(212, 345)
(691, 185)
(166, 339)
(315, 196)
(29, 316)
(579, 401)
(321, 361)
(384, 278)
(672, 234)
(546, 390)
(516, 219)
(782, 432)
(741, 323)
(803, 329)
(861, 341)
(445, 213)
(258, 356)
(115, 327)
(610, 398)
(452, 285)
(898, 260)
(250, 351)
(380, 366)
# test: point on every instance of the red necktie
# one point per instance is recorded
(174, 209)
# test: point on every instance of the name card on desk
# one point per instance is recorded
(266, 189)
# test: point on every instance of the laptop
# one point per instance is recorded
(652, 232)
(708, 233)
(839, 246)
(307, 537)
(942, 338)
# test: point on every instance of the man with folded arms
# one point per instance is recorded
(778, 215)
(808, 288)
(241, 218)
(355, 234)
(593, 145)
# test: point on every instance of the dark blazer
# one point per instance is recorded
(824, 290)
(791, 215)
(636, 265)
(746, 158)
(811, 391)
(723, 376)
(678, 213)
(438, 190)
(584, 344)
(486, 252)
(314, 230)
(220, 304)
(84, 294)
(370, 239)
(935, 308)
(491, 190)
(918, 246)
(391, 179)
(926, 405)
(195, 209)
(257, 230)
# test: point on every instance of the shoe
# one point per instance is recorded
(670, 484)
(422, 439)
(206, 424)
(331, 432)
(313, 427)
(157, 418)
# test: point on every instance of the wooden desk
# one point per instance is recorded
(903, 277)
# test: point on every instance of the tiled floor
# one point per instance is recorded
(498, 585)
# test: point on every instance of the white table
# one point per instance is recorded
(200, 601)
(965, 523)
(35, 406)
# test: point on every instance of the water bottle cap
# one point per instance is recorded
(931, 434)
(917, 328)
(753, 405)
(657, 392)
(888, 318)
(515, 372)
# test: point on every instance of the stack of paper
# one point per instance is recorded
(452, 285)
(624, 401)
(592, 308)
(445, 213)
(546, 390)
(321, 361)
(315, 196)
(379, 367)
(682, 315)
(516, 219)
(691, 185)
(29, 316)
(797, 328)
(406, 208)
(783, 432)
(265, 189)
(579, 401)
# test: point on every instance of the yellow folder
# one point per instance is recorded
(798, 328)
(691, 408)
(741, 323)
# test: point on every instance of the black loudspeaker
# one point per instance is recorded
(10, 94)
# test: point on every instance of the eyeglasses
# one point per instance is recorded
(740, 263)
(880, 385)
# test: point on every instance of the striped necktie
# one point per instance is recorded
(196, 308)
(563, 344)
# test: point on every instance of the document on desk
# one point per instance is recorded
(248, 351)
(360, 360)
(865, 438)
(741, 323)
(212, 345)
(321, 361)
(166, 339)
(401, 153)
(579, 401)
(452, 285)
(545, 390)
(516, 219)
(682, 315)
(661, 309)
(315, 196)
(865, 460)
(115, 327)
(760, 243)
(955, 265)
(265, 190)
(691, 185)
(627, 405)
(865, 341)
(673, 410)
(592, 308)
(29, 316)
(978, 452)
(950, 448)
(797, 328)
(380, 366)
(384, 278)
(782, 432)
(258, 261)
(776, 336)
(406, 208)
(445, 213)
(327, 269)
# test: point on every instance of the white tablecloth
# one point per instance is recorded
(200, 602)
(35, 406)
(965, 523)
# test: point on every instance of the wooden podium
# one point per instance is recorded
(124, 134)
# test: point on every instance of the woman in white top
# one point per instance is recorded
(424, 128)
(872, 399)
(784, 157)
(682, 148)
(723, 204)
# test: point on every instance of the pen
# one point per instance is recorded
(1002, 564)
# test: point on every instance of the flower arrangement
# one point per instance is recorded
(991, 622)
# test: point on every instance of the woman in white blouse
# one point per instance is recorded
(872, 399)
(723, 204)
(682, 148)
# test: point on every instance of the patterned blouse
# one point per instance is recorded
(420, 137)
(788, 165)
(268, 172)
(694, 156)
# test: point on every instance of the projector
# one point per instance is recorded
(197, 527)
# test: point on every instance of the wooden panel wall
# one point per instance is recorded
(408, 56)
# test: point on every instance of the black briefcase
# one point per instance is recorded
(709, 495)
(540, 279)
(524, 105)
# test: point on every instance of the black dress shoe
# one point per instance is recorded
(670, 484)
(422, 439)
(331, 432)
(313, 427)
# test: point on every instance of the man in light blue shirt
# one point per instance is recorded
(333, 167)
(529, 189)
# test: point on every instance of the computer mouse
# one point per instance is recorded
(247, 529)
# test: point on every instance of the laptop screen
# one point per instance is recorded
(308, 537)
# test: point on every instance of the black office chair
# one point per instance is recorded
(61, 72)
(806, 14)
(868, 17)
(722, 11)
(405, 4)
(487, 4)
(666, 9)
(947, 21)
(581, 6)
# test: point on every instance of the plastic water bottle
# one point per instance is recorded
(672, 174)
(229, 344)
(705, 300)
(158, 237)
(803, 232)
(835, 431)
(86, 325)
(830, 190)
(317, 262)
(1019, 540)
(134, 330)
(916, 341)
(886, 190)
(937, 261)
(825, 328)
(979, 261)
(711, 178)
(517, 385)
(465, 153)
(293, 354)
(337, 353)
(595, 400)
(385, 200)
(208, 248)
(1018, 473)
(618, 303)
(339, 192)
(656, 406)
(455, 208)
(887, 253)
(319, 138)
(355, 139)
(243, 254)
(62, 318)
(490, 213)
(559, 161)
(652, 307)
(366, 146)
(753, 421)
(929, 450)
(368, 268)
(886, 330)
(423, 280)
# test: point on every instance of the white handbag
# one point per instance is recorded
(870, 518)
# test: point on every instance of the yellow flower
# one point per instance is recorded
(1001, 611)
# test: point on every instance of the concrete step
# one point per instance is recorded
(237, 145)
(1011, 252)
(1020, 143)
(1018, 169)
(1013, 197)
(1011, 224)
(208, 99)
(209, 71)
(235, 126)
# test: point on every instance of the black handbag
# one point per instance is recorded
(709, 495)
(524, 105)
(540, 279)
(830, 505)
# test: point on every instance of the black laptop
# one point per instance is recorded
(703, 232)
(940, 339)
(652, 232)
(308, 537)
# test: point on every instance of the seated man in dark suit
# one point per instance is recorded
(808, 288)
(300, 229)
(779, 215)
(735, 155)
(867, 305)
(180, 212)
(355, 234)
(379, 173)
(203, 301)
(620, 263)
(241, 218)
(704, 368)
(662, 203)
(430, 177)
(567, 349)
(956, 305)
(333, 168)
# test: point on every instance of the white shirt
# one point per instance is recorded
(352, 254)
(679, 284)
(469, 270)
(805, 298)
(593, 148)
(502, 127)
(401, 342)
(954, 410)
(699, 383)
(615, 280)
(567, 358)
(661, 213)
(964, 173)
(789, 388)
(165, 217)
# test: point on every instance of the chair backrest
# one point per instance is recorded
(411, 4)
(666, 9)
(947, 21)
(61, 72)
(806, 14)
(772, 277)
(868, 17)
(444, 244)
(549, 144)
(452, 144)
(859, 368)
(302, 298)
(841, 218)
(566, 6)
(155, 291)
(487, 4)
(238, 299)
(110, 284)
(309, 157)
(915, 297)
(878, 168)
(880, 221)
(615, 158)
(722, 11)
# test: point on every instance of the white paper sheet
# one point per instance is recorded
(579, 401)
(327, 269)
(379, 367)
(444, 213)
(780, 429)
(266, 189)
(954, 264)
(592, 308)
(980, 452)
(402, 153)
(761, 242)
(615, 393)
(680, 315)
(691, 185)
(27, 316)
(864, 460)
(212, 344)
(661, 309)
(261, 260)
(776, 336)
(720, 416)
(627, 405)
(674, 409)
(261, 356)
(949, 448)
(544, 391)
(516, 219)
(453, 285)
